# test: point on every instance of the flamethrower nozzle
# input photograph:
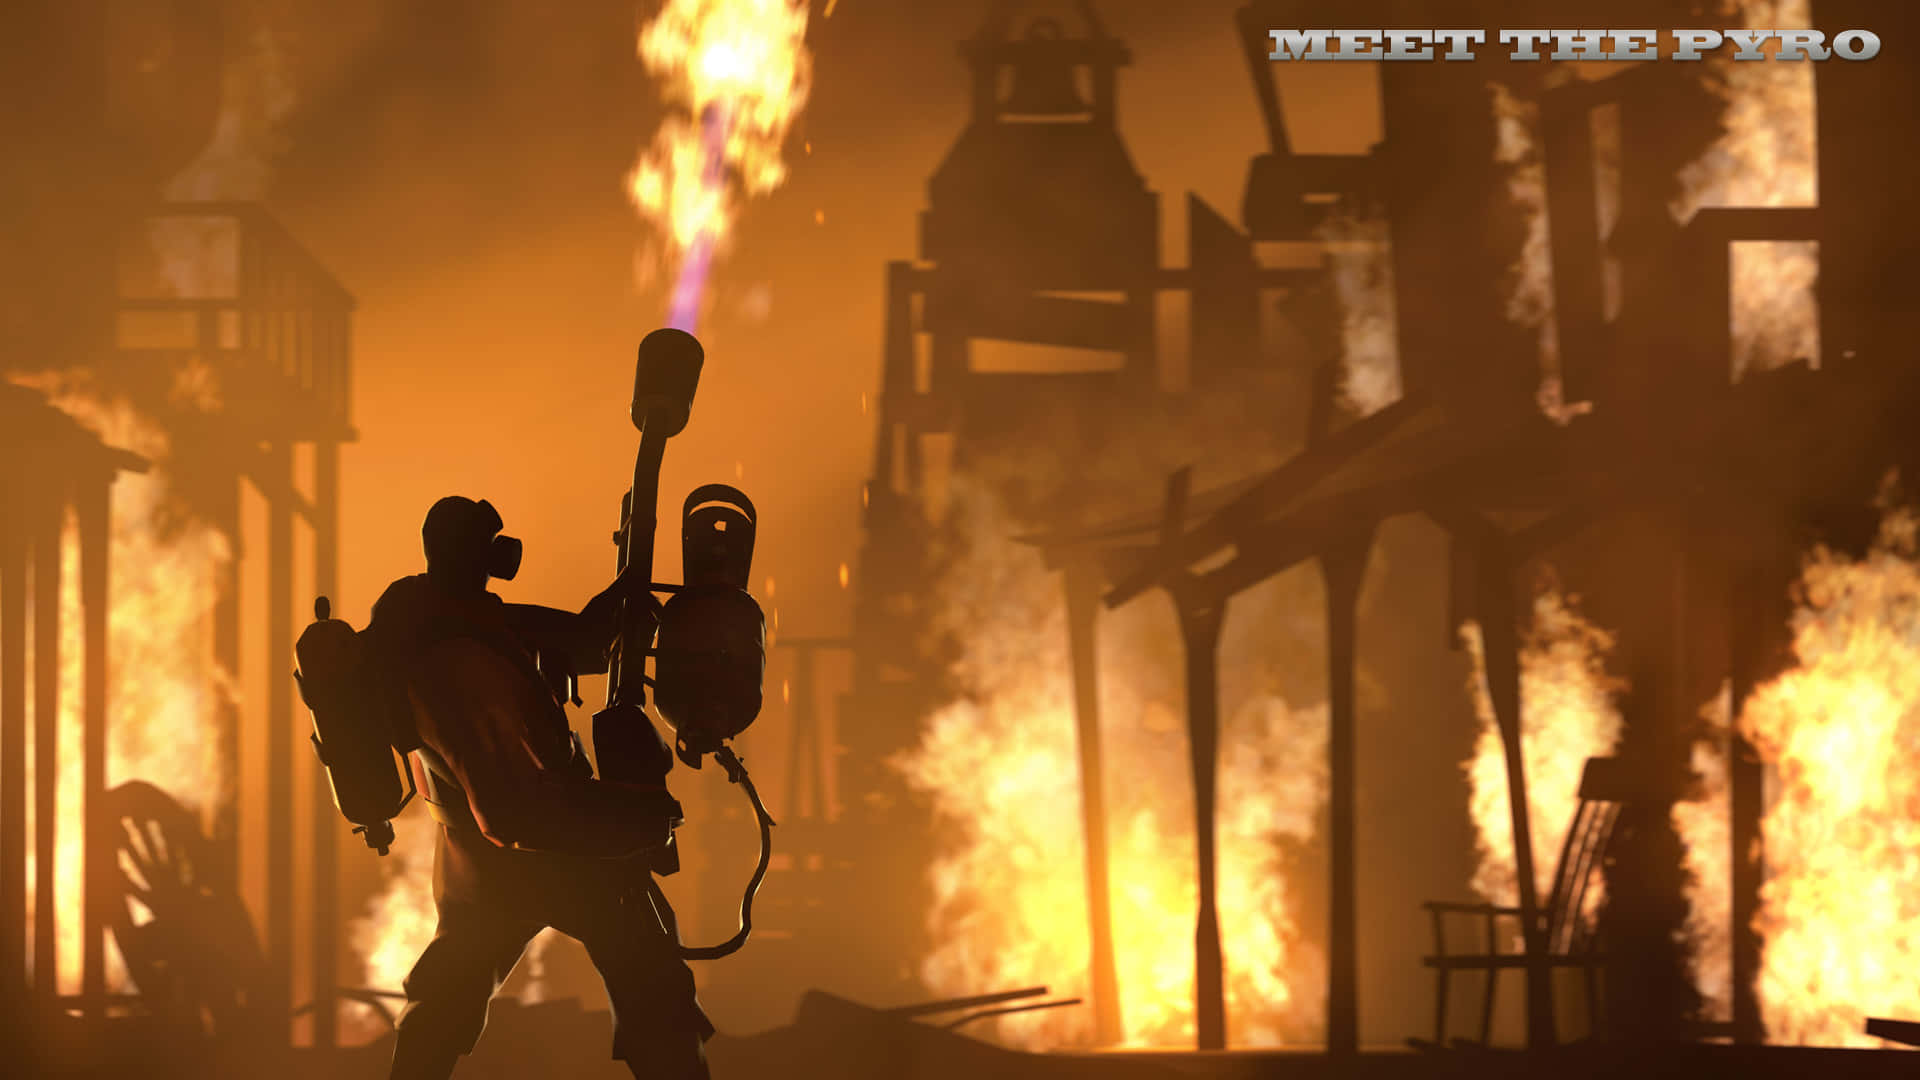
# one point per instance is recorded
(664, 379)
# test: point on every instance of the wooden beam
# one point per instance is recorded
(803, 744)
(1747, 614)
(1343, 566)
(1499, 628)
(326, 853)
(273, 479)
(1201, 616)
(1288, 481)
(97, 868)
(14, 546)
(1568, 158)
(1254, 43)
(225, 512)
(1083, 581)
(48, 584)
(278, 473)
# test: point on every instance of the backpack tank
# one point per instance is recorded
(354, 725)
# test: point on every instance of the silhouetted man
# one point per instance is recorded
(530, 839)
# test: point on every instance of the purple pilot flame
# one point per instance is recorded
(683, 310)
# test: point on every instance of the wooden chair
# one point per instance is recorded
(1570, 937)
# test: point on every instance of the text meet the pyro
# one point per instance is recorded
(1692, 44)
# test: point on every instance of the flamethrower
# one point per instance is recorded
(708, 640)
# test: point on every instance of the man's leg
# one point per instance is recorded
(659, 1029)
(471, 954)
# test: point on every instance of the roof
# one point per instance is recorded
(42, 438)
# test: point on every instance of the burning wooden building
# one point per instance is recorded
(1584, 383)
(204, 336)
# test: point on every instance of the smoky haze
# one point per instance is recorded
(458, 164)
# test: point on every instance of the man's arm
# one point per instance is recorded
(580, 638)
(476, 712)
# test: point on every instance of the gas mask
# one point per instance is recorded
(463, 535)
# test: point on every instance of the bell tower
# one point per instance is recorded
(1039, 231)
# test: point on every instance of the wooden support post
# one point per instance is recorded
(47, 586)
(803, 747)
(97, 868)
(1200, 619)
(1578, 292)
(326, 915)
(1083, 605)
(1500, 637)
(226, 657)
(13, 757)
(279, 720)
(1745, 779)
(1343, 567)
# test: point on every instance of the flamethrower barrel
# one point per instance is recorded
(625, 683)
(665, 375)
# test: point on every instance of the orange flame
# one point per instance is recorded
(1765, 158)
(1530, 279)
(1567, 715)
(1704, 824)
(1842, 833)
(163, 689)
(1011, 903)
(400, 921)
(745, 57)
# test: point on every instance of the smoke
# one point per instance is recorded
(165, 571)
(1000, 767)
(997, 760)
(1530, 279)
(1361, 262)
(400, 920)
(1764, 157)
(257, 95)
(1567, 715)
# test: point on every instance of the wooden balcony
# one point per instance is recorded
(220, 307)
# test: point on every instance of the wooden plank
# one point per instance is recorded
(14, 542)
(1083, 603)
(1905, 1032)
(98, 870)
(1499, 628)
(1201, 616)
(47, 586)
(1343, 565)
(1575, 242)
(1246, 511)
(1097, 325)
(279, 722)
(326, 832)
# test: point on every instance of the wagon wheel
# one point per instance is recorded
(179, 922)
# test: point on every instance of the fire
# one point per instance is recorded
(1704, 825)
(1530, 279)
(741, 72)
(1765, 158)
(1567, 715)
(1530, 290)
(1842, 833)
(400, 921)
(163, 690)
(1002, 764)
